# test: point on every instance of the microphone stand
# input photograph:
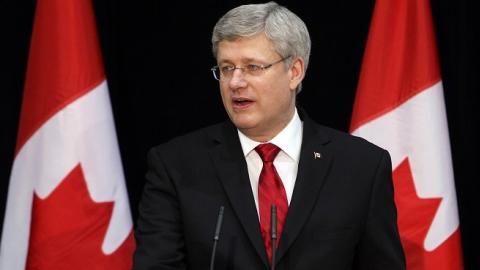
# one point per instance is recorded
(273, 220)
(216, 237)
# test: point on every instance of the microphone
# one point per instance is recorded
(216, 236)
(273, 229)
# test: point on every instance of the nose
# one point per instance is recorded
(238, 79)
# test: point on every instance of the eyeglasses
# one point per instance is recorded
(226, 72)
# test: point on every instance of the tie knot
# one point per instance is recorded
(267, 151)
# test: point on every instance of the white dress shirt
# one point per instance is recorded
(289, 140)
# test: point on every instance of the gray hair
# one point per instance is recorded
(287, 32)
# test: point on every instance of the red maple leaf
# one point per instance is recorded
(68, 229)
(415, 216)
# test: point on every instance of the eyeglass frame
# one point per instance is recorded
(253, 68)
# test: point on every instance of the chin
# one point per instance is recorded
(243, 124)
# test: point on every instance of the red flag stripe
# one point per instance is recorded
(64, 62)
(401, 56)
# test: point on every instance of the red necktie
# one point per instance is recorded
(270, 191)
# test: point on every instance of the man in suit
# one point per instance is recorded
(333, 191)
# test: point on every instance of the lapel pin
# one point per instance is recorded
(316, 155)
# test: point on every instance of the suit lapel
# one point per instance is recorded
(313, 166)
(231, 167)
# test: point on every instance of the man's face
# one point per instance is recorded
(259, 105)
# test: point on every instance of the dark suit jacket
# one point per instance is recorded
(341, 216)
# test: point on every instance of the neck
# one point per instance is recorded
(267, 133)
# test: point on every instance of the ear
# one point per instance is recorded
(296, 72)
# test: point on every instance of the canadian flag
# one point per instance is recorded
(67, 205)
(400, 106)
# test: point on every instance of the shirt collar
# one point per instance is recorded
(289, 139)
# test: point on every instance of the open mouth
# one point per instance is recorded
(241, 103)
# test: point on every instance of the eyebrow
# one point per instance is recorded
(243, 61)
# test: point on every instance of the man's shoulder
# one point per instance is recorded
(340, 141)
(345, 141)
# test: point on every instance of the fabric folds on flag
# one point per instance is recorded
(67, 205)
(399, 106)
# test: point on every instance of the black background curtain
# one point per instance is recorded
(157, 58)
